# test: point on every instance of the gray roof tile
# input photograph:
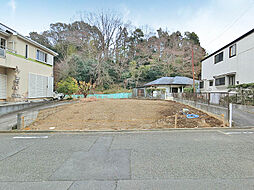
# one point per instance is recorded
(171, 80)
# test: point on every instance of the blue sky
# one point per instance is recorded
(217, 22)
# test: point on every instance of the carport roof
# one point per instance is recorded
(171, 80)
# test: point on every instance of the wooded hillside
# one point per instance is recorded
(102, 49)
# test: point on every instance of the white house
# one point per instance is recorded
(169, 85)
(232, 64)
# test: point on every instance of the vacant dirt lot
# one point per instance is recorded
(121, 114)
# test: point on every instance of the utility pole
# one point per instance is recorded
(193, 71)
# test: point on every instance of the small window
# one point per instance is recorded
(220, 81)
(41, 56)
(231, 80)
(211, 83)
(232, 50)
(26, 53)
(201, 84)
(218, 58)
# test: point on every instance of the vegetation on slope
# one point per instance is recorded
(100, 48)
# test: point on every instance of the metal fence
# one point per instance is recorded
(217, 98)
(243, 98)
(213, 98)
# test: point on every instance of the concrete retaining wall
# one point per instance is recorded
(246, 108)
(209, 108)
(243, 115)
(13, 107)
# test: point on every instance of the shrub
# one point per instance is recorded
(85, 87)
(68, 86)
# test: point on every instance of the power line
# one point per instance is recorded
(235, 21)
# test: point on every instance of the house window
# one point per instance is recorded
(231, 80)
(220, 81)
(232, 50)
(218, 58)
(26, 53)
(41, 56)
(211, 83)
(2, 43)
(201, 84)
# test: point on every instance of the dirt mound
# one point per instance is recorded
(120, 114)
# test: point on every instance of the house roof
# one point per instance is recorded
(231, 43)
(5, 29)
(171, 80)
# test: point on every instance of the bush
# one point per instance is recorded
(68, 86)
(85, 87)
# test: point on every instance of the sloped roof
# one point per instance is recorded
(171, 80)
(7, 30)
(231, 43)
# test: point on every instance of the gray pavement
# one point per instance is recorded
(181, 159)
(243, 118)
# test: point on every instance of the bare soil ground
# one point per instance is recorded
(121, 114)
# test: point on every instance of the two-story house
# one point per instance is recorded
(34, 62)
(232, 64)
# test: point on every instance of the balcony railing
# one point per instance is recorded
(2, 52)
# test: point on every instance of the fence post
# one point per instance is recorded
(230, 114)
(195, 98)
(176, 120)
(242, 99)
(209, 98)
(252, 98)
(228, 105)
(19, 120)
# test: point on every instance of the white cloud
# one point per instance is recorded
(12, 5)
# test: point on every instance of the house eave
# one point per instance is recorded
(37, 44)
(229, 44)
(4, 33)
(225, 74)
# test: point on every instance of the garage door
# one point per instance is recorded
(40, 86)
(3, 86)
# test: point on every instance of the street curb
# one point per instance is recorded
(128, 131)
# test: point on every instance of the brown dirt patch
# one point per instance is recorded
(121, 114)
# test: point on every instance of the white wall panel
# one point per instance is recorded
(3, 86)
(40, 86)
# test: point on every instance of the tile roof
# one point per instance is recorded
(171, 80)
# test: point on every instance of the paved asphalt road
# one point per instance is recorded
(182, 159)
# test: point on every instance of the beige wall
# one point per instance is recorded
(9, 63)
(25, 67)
(21, 48)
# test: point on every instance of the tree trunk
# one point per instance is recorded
(85, 95)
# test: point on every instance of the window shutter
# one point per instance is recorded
(50, 86)
(38, 86)
(50, 59)
(32, 85)
(3, 86)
